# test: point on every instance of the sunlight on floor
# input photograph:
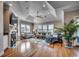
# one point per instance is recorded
(25, 46)
(28, 46)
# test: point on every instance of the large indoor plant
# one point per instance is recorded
(68, 31)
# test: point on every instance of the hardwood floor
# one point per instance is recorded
(26, 48)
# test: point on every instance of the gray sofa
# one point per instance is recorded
(27, 35)
(53, 38)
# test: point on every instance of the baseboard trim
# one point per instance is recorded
(1, 53)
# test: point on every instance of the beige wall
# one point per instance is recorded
(58, 24)
(70, 15)
(7, 14)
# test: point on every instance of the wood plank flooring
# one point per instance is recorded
(26, 48)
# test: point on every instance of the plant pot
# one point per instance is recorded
(68, 44)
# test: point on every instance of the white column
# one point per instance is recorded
(1, 29)
(60, 15)
(18, 29)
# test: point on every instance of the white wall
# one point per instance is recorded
(51, 9)
(5, 42)
(60, 15)
(1, 28)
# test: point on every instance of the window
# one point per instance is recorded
(44, 28)
(50, 28)
(25, 28)
(39, 28)
(28, 28)
(77, 22)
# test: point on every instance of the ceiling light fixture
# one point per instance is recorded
(10, 4)
(44, 5)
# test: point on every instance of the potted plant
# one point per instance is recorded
(68, 31)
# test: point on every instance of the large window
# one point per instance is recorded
(28, 28)
(39, 28)
(50, 28)
(46, 28)
(77, 22)
(25, 28)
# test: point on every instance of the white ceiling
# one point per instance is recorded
(66, 5)
(28, 10)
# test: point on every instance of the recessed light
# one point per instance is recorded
(44, 5)
(10, 4)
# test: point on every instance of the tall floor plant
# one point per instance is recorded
(68, 31)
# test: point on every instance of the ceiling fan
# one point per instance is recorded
(40, 16)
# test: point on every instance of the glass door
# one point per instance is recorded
(77, 22)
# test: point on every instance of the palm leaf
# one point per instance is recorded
(68, 30)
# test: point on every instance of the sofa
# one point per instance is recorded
(27, 35)
(53, 38)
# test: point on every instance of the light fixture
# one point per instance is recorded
(10, 4)
(44, 5)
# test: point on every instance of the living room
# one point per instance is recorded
(37, 28)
